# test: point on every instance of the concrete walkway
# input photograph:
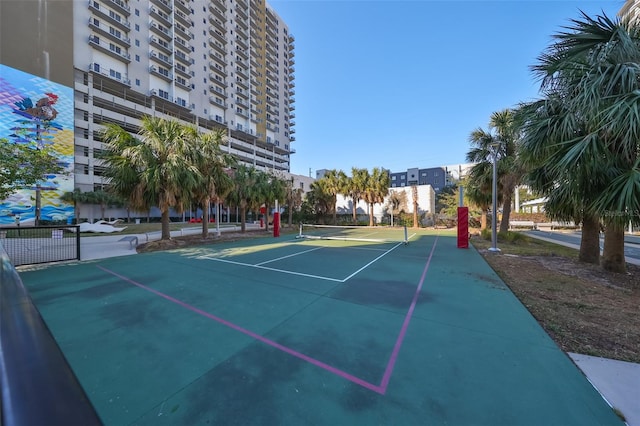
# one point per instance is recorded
(113, 245)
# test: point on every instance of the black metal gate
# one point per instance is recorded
(27, 245)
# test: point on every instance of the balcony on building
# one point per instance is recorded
(242, 28)
(217, 46)
(109, 32)
(183, 45)
(243, 85)
(160, 43)
(217, 81)
(182, 70)
(217, 90)
(218, 37)
(109, 15)
(183, 6)
(217, 101)
(120, 6)
(183, 83)
(110, 49)
(243, 52)
(160, 30)
(241, 12)
(111, 74)
(163, 17)
(164, 4)
(162, 59)
(214, 8)
(182, 31)
(180, 56)
(242, 72)
(183, 18)
(216, 23)
(163, 73)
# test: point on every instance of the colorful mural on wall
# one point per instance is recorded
(36, 110)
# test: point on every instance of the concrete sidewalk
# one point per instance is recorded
(113, 245)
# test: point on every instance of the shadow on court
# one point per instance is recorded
(291, 332)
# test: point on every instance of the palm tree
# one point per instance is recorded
(334, 183)
(293, 198)
(244, 194)
(593, 63)
(546, 126)
(153, 169)
(414, 197)
(355, 188)
(500, 140)
(377, 188)
(478, 192)
(320, 199)
(215, 183)
(74, 197)
(397, 203)
(271, 188)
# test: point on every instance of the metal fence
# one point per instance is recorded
(27, 245)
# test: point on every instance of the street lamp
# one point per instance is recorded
(494, 198)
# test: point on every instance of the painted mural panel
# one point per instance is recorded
(39, 112)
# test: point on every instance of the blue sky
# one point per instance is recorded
(401, 84)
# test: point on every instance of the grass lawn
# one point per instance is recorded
(583, 308)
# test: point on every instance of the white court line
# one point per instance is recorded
(271, 269)
(289, 255)
(374, 260)
(259, 265)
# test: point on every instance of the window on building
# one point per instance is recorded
(137, 27)
(137, 12)
(137, 42)
(137, 58)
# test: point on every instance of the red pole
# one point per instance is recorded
(463, 227)
(276, 224)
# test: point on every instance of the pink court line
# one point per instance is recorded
(381, 389)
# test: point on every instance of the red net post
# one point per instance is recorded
(276, 224)
(463, 227)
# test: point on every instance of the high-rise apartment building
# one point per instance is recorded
(214, 64)
(218, 63)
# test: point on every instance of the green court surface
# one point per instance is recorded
(286, 331)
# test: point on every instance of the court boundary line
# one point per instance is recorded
(284, 271)
(384, 383)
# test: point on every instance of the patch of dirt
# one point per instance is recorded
(582, 307)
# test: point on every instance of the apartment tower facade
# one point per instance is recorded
(213, 64)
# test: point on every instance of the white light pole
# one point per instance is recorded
(494, 198)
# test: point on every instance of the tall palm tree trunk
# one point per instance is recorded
(506, 212)
(205, 217)
(355, 214)
(613, 254)
(243, 218)
(370, 214)
(590, 241)
(166, 232)
(483, 219)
